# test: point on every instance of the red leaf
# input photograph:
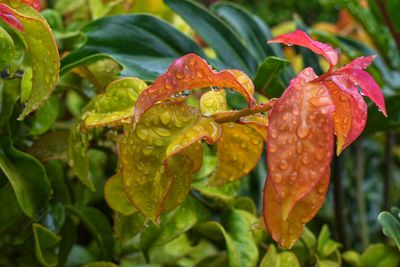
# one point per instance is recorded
(300, 38)
(190, 72)
(350, 113)
(33, 3)
(300, 139)
(367, 84)
(286, 231)
(360, 62)
(8, 16)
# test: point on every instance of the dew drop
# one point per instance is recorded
(273, 133)
(295, 110)
(272, 148)
(283, 165)
(148, 150)
(299, 147)
(141, 133)
(293, 176)
(302, 132)
(305, 159)
(162, 132)
(185, 93)
(165, 117)
(289, 44)
(177, 95)
(214, 88)
(285, 117)
(277, 178)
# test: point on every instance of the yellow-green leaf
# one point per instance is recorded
(114, 193)
(7, 48)
(239, 150)
(212, 102)
(156, 170)
(115, 105)
(42, 50)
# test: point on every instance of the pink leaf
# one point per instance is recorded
(302, 39)
(367, 84)
(7, 15)
(360, 62)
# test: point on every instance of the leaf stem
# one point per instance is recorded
(234, 116)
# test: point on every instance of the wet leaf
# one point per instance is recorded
(368, 85)
(50, 146)
(45, 116)
(286, 229)
(257, 122)
(187, 73)
(115, 105)
(98, 226)
(27, 177)
(8, 15)
(300, 140)
(300, 38)
(390, 226)
(114, 194)
(239, 149)
(127, 227)
(350, 115)
(46, 242)
(7, 48)
(43, 51)
(212, 102)
(156, 162)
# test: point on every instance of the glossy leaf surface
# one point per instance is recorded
(237, 142)
(350, 115)
(300, 38)
(8, 16)
(115, 105)
(285, 228)
(213, 102)
(27, 177)
(187, 73)
(45, 245)
(43, 52)
(156, 169)
(299, 150)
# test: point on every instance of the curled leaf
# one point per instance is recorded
(287, 229)
(239, 150)
(156, 169)
(190, 72)
(368, 85)
(115, 105)
(8, 16)
(213, 102)
(350, 113)
(300, 140)
(300, 38)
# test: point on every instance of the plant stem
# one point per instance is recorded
(234, 116)
(388, 21)
(387, 165)
(338, 197)
(360, 198)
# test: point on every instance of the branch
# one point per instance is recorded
(234, 116)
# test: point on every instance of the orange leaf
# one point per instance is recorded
(286, 230)
(350, 113)
(300, 139)
(187, 73)
(258, 123)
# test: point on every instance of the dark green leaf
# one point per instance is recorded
(50, 146)
(267, 80)
(390, 226)
(217, 34)
(144, 45)
(45, 116)
(45, 245)
(27, 176)
(98, 225)
(11, 213)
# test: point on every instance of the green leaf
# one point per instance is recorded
(127, 227)
(160, 154)
(380, 255)
(9, 96)
(116, 105)
(327, 263)
(230, 49)
(100, 264)
(326, 246)
(240, 243)
(377, 122)
(42, 49)
(115, 195)
(45, 116)
(172, 225)
(390, 226)
(267, 80)
(270, 258)
(144, 45)
(288, 259)
(27, 176)
(50, 146)
(99, 227)
(7, 48)
(11, 214)
(45, 245)
(253, 30)
(353, 258)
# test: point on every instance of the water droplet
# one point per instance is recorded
(283, 165)
(273, 133)
(319, 155)
(272, 148)
(179, 75)
(293, 176)
(148, 150)
(141, 133)
(165, 117)
(321, 189)
(285, 117)
(159, 142)
(162, 132)
(185, 93)
(200, 74)
(277, 178)
(214, 88)
(289, 44)
(302, 132)
(299, 147)
(320, 101)
(295, 110)
(177, 95)
(306, 159)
